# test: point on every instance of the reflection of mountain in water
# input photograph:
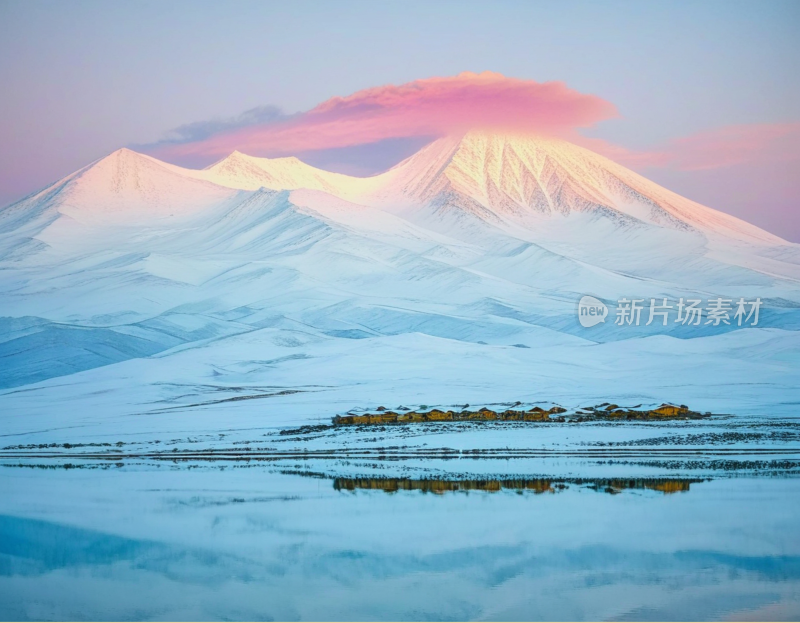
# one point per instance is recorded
(535, 485)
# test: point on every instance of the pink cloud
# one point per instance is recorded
(732, 145)
(432, 107)
(713, 149)
(436, 107)
(627, 157)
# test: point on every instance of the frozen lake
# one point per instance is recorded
(562, 537)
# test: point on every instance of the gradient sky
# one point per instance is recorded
(701, 97)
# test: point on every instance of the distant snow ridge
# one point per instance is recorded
(486, 239)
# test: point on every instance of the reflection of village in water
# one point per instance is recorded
(441, 486)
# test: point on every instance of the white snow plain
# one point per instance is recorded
(139, 297)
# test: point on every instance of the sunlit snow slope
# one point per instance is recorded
(471, 254)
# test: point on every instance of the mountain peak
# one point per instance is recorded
(245, 172)
(122, 155)
(239, 157)
(520, 177)
(500, 177)
(127, 185)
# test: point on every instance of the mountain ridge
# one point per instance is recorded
(484, 240)
(515, 178)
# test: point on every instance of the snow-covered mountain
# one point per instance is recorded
(480, 244)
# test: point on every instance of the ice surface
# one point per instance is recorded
(253, 543)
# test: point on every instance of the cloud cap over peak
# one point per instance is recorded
(429, 107)
(469, 101)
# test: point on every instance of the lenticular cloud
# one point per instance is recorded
(712, 149)
(431, 107)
